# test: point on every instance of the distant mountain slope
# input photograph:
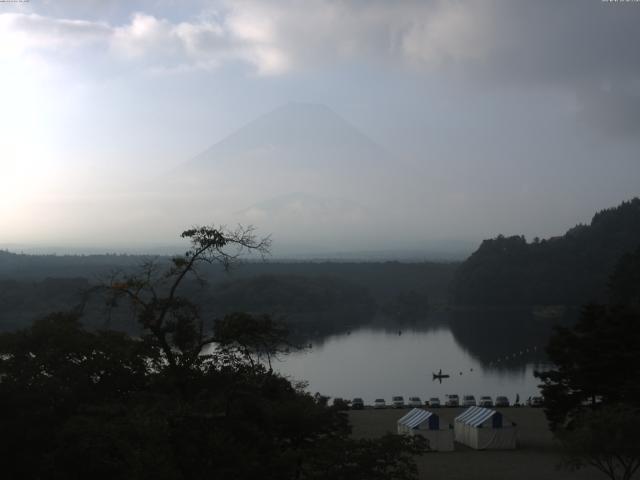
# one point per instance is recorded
(298, 147)
(304, 128)
(344, 182)
(572, 269)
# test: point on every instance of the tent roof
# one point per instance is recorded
(475, 416)
(415, 417)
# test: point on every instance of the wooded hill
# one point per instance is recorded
(572, 269)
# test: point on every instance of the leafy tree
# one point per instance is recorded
(56, 379)
(605, 439)
(592, 395)
(253, 338)
(624, 284)
(173, 322)
(598, 360)
(391, 456)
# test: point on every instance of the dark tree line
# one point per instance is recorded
(569, 270)
(305, 303)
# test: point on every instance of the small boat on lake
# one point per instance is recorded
(440, 375)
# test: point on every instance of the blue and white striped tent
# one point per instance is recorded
(427, 424)
(418, 419)
(484, 428)
(476, 416)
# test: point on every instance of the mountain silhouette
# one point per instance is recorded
(314, 132)
(300, 171)
(303, 173)
(298, 147)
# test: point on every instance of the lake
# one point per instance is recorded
(484, 354)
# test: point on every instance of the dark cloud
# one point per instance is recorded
(588, 49)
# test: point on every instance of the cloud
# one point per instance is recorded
(453, 33)
(585, 50)
(22, 33)
(158, 43)
(322, 33)
(577, 47)
(146, 41)
(516, 40)
(273, 37)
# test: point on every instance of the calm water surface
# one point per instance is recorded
(374, 362)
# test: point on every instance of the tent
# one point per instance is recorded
(427, 424)
(485, 429)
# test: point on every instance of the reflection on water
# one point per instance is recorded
(484, 353)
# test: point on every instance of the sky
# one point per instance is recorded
(512, 117)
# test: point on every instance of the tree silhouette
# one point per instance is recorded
(592, 396)
(186, 400)
(606, 440)
(172, 320)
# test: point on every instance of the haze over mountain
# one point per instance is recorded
(296, 135)
(301, 173)
(305, 174)
(295, 148)
(442, 121)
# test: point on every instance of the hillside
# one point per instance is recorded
(572, 269)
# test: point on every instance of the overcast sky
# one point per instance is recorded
(523, 116)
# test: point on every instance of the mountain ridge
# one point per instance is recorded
(277, 127)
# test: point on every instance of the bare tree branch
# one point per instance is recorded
(153, 292)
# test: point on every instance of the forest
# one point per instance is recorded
(325, 295)
(572, 269)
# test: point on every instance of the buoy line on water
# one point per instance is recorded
(513, 355)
